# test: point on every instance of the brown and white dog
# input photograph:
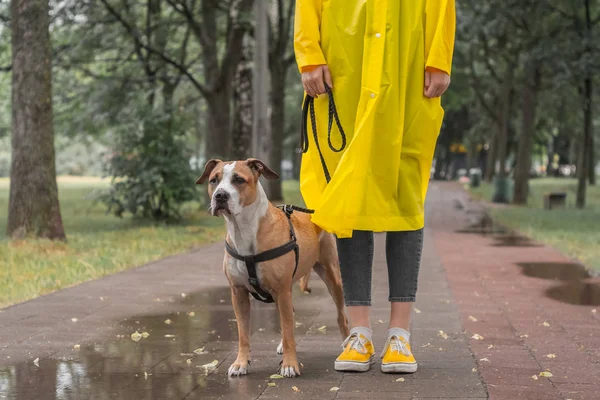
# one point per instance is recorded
(254, 225)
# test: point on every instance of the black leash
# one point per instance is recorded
(259, 293)
(309, 106)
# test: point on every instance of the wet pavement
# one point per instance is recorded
(79, 343)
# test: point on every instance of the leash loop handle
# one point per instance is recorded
(309, 109)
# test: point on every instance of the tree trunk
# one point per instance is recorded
(278, 75)
(523, 166)
(242, 103)
(586, 145)
(33, 204)
(592, 166)
(492, 157)
(218, 135)
(504, 121)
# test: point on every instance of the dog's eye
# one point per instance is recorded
(213, 181)
(239, 180)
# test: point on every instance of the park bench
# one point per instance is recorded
(555, 200)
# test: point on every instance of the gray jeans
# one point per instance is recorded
(403, 255)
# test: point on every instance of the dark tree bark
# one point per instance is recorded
(277, 127)
(592, 166)
(242, 103)
(586, 145)
(588, 142)
(492, 157)
(523, 166)
(33, 205)
(504, 121)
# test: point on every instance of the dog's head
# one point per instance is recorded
(232, 185)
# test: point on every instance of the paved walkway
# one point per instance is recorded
(77, 343)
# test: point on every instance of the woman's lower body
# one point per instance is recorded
(403, 255)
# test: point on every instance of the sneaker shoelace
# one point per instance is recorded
(396, 345)
(356, 343)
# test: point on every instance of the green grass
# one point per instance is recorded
(574, 232)
(98, 244)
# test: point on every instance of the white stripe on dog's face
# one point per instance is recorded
(226, 186)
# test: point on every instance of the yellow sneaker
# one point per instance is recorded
(358, 354)
(397, 356)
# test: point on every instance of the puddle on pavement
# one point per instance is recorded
(578, 293)
(514, 240)
(484, 225)
(115, 367)
(555, 271)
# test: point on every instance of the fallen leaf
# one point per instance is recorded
(261, 329)
(145, 376)
(380, 321)
(74, 319)
(334, 389)
(221, 301)
(546, 374)
(77, 346)
(211, 365)
(441, 349)
(276, 376)
(272, 384)
(183, 295)
(484, 359)
(400, 380)
(212, 332)
(145, 335)
(136, 336)
(191, 313)
(594, 311)
(417, 310)
(302, 365)
(36, 362)
(322, 329)
(472, 318)
(535, 377)
(200, 351)
(546, 324)
(168, 322)
(551, 355)
(299, 324)
(474, 370)
(295, 389)
(427, 345)
(169, 336)
(524, 336)
(491, 346)
(443, 334)
(101, 298)
(233, 320)
(188, 361)
(186, 354)
(477, 336)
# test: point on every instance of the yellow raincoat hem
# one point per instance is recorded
(332, 224)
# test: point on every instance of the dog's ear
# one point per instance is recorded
(208, 169)
(261, 168)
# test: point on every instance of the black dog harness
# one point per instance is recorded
(259, 293)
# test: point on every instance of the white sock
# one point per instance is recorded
(366, 332)
(399, 332)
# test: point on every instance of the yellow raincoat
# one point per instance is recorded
(377, 52)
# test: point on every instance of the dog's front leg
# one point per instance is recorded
(241, 306)
(289, 366)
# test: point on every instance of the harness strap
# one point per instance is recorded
(309, 106)
(251, 261)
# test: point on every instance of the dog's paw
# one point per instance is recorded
(238, 369)
(280, 348)
(290, 370)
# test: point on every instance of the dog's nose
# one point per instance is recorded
(222, 196)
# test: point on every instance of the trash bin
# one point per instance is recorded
(502, 190)
(475, 177)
